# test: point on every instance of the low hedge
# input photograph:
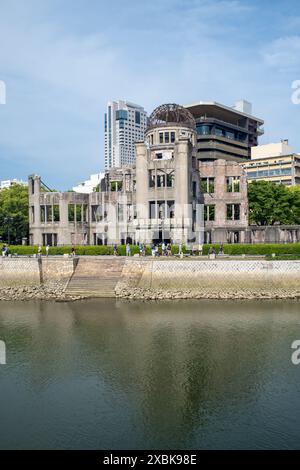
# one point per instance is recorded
(259, 249)
(236, 249)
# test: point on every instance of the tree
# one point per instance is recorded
(14, 213)
(271, 203)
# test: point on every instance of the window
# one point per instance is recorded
(56, 213)
(78, 209)
(84, 213)
(71, 212)
(229, 135)
(137, 117)
(100, 239)
(233, 184)
(194, 189)
(120, 212)
(172, 137)
(170, 209)
(233, 211)
(207, 185)
(209, 213)
(161, 138)
(233, 237)
(203, 129)
(170, 180)
(161, 206)
(121, 114)
(96, 213)
(49, 239)
(46, 213)
(32, 214)
(158, 156)
(167, 137)
(161, 179)
(152, 210)
(116, 185)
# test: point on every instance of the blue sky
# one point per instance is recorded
(62, 60)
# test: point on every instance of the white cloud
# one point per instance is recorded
(283, 53)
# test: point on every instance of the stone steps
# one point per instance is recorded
(95, 278)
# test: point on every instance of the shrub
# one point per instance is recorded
(292, 249)
(259, 249)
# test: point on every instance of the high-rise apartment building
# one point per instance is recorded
(225, 132)
(125, 123)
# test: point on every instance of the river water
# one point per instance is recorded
(104, 374)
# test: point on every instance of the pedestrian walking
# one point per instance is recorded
(39, 251)
(47, 250)
(128, 250)
(169, 249)
(115, 249)
(4, 248)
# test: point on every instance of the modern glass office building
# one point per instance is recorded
(225, 132)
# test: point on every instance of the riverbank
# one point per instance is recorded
(147, 279)
(158, 294)
(49, 291)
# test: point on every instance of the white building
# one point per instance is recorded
(89, 186)
(8, 183)
(277, 149)
(125, 123)
(275, 162)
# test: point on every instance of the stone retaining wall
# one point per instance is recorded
(211, 279)
(25, 271)
(161, 278)
(19, 272)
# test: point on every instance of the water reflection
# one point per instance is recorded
(106, 374)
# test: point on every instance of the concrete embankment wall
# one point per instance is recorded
(207, 274)
(205, 278)
(164, 278)
(25, 271)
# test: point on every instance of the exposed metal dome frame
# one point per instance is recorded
(171, 114)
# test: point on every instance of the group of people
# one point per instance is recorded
(212, 251)
(166, 249)
(40, 250)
